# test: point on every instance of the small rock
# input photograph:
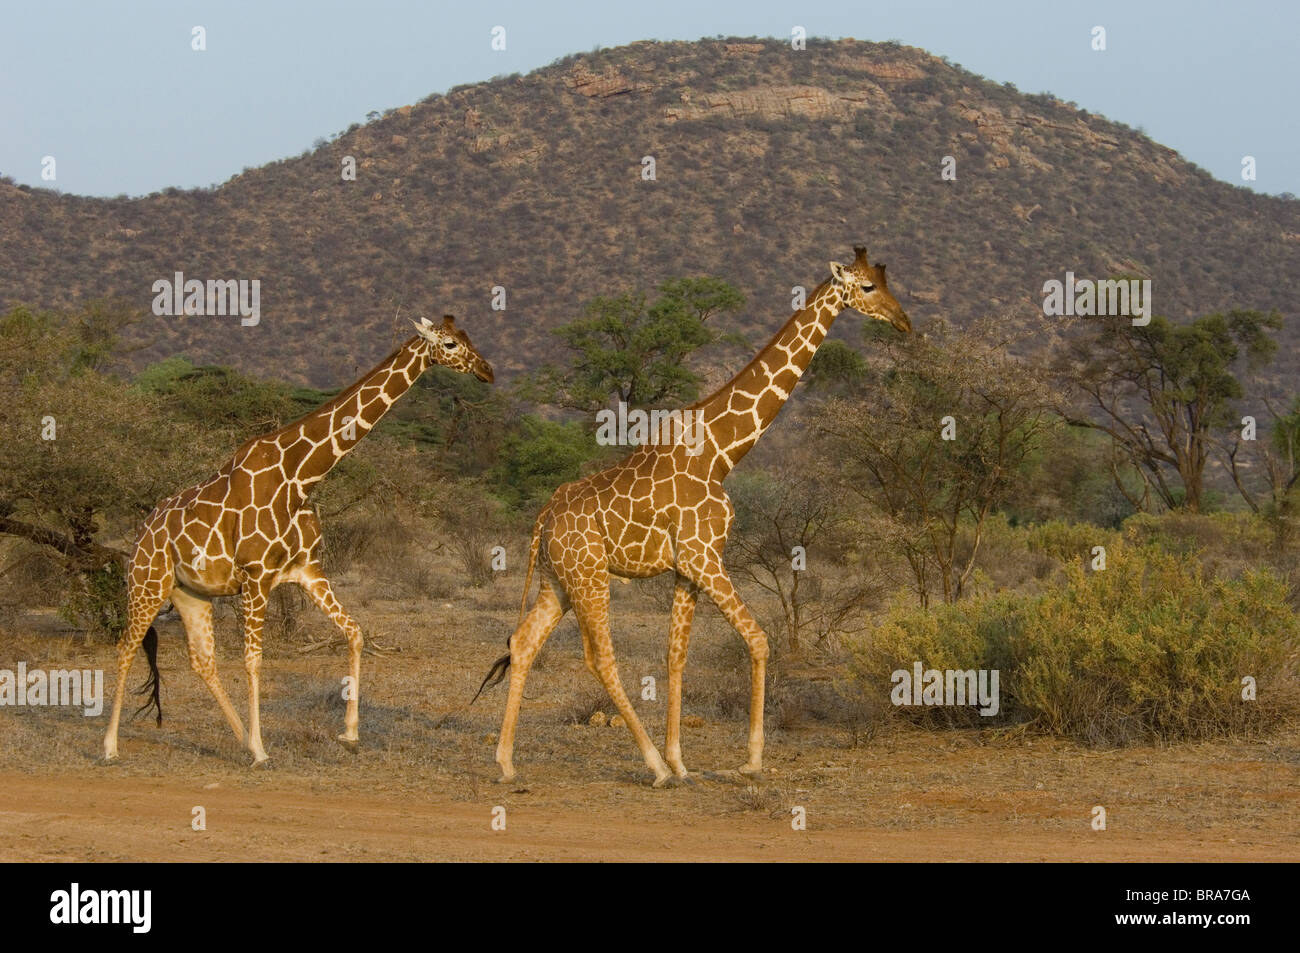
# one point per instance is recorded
(490, 738)
(693, 721)
(598, 719)
(617, 722)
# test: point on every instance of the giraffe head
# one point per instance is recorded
(862, 287)
(449, 346)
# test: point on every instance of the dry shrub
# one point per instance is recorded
(472, 527)
(348, 539)
(1069, 543)
(28, 579)
(288, 615)
(587, 704)
(1222, 537)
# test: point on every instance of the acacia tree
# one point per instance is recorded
(1277, 459)
(633, 350)
(930, 444)
(1162, 390)
(78, 442)
(84, 454)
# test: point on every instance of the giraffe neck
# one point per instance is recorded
(318, 441)
(739, 412)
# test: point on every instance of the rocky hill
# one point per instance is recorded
(767, 162)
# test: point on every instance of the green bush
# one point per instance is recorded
(537, 457)
(1150, 650)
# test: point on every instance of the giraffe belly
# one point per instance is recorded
(214, 578)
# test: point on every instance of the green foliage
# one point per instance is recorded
(1217, 535)
(81, 445)
(1161, 390)
(1196, 360)
(1069, 476)
(212, 396)
(1069, 543)
(536, 457)
(627, 348)
(1286, 431)
(95, 601)
(1151, 649)
(835, 365)
(51, 344)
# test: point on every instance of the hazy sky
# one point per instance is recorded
(113, 91)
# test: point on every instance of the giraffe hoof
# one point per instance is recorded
(672, 781)
(507, 779)
(351, 744)
(263, 763)
(108, 760)
(750, 771)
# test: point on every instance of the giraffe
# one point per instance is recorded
(248, 528)
(663, 508)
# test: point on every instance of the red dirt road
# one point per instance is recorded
(100, 817)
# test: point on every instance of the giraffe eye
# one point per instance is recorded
(868, 287)
(449, 345)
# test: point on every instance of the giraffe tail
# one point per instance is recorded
(533, 547)
(502, 665)
(153, 683)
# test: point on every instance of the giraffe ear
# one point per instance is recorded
(422, 327)
(837, 272)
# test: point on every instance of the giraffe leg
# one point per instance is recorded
(713, 579)
(315, 584)
(527, 641)
(196, 614)
(679, 639)
(253, 598)
(592, 610)
(143, 606)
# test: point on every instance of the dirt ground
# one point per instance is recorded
(424, 789)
